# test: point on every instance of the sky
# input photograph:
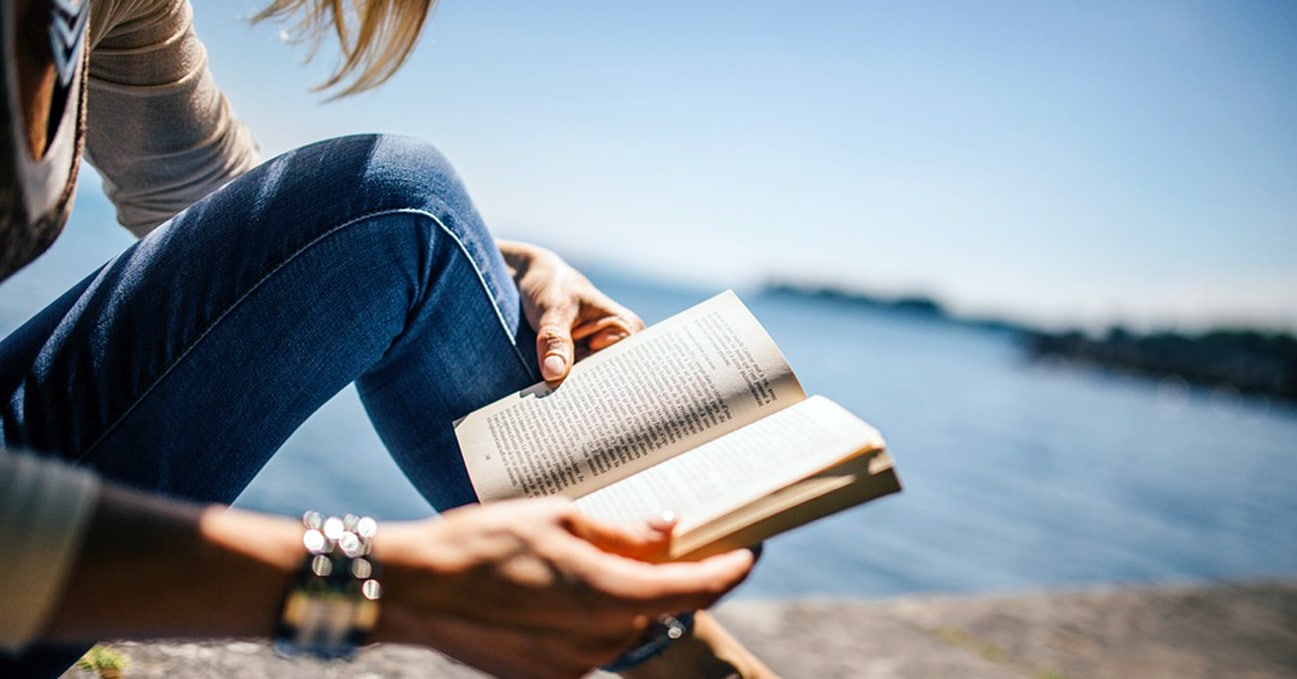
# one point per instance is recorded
(1058, 162)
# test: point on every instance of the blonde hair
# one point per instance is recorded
(375, 36)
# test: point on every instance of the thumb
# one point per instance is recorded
(554, 346)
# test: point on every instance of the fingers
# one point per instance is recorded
(539, 590)
(652, 542)
(664, 523)
(622, 322)
(559, 330)
(631, 318)
(564, 308)
(655, 589)
(554, 345)
(611, 326)
(620, 564)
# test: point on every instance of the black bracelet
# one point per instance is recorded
(331, 604)
(653, 641)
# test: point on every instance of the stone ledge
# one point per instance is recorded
(1189, 632)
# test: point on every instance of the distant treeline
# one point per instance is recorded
(1248, 360)
(919, 304)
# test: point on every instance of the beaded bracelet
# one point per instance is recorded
(331, 604)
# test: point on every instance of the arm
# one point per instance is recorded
(525, 588)
(572, 319)
(150, 567)
(158, 130)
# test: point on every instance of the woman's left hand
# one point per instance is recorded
(571, 316)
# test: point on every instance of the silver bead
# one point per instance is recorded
(350, 545)
(313, 520)
(333, 528)
(322, 565)
(314, 541)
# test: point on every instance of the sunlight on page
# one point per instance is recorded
(731, 471)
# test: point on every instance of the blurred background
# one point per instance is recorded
(1004, 233)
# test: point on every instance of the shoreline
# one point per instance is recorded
(1244, 629)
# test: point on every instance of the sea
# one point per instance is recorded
(1019, 475)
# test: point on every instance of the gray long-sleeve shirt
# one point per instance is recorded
(162, 136)
(158, 129)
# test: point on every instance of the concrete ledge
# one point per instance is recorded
(1247, 631)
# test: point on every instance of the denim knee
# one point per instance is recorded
(295, 200)
(389, 173)
(409, 175)
(324, 185)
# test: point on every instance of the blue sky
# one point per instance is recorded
(1061, 161)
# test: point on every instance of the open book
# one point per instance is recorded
(699, 414)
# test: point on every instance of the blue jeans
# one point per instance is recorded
(184, 363)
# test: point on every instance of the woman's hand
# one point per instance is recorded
(520, 588)
(571, 316)
(531, 588)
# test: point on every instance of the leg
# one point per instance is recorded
(185, 362)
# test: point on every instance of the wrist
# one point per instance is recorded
(707, 652)
(331, 604)
(655, 640)
(415, 570)
(150, 567)
(516, 255)
(519, 256)
(261, 552)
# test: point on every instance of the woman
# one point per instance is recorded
(170, 375)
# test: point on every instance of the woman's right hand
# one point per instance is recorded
(531, 588)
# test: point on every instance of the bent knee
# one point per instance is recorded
(408, 172)
(398, 173)
(340, 180)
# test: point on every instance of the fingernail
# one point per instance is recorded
(554, 365)
(663, 522)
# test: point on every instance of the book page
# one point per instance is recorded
(684, 381)
(858, 480)
(739, 469)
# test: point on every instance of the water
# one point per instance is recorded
(1021, 475)
(1018, 475)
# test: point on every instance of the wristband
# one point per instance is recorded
(653, 641)
(331, 604)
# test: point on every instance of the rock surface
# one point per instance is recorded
(1244, 631)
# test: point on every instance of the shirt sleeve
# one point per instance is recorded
(160, 132)
(44, 510)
